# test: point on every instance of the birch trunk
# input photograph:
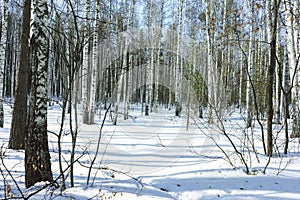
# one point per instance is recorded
(129, 64)
(210, 63)
(178, 64)
(241, 83)
(85, 66)
(292, 58)
(3, 57)
(37, 157)
(250, 69)
(119, 77)
(271, 70)
(92, 96)
(149, 69)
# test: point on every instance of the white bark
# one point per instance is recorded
(249, 93)
(3, 44)
(37, 136)
(149, 70)
(290, 42)
(178, 51)
(130, 66)
(2, 56)
(158, 45)
(94, 70)
(241, 83)
(85, 66)
(210, 63)
(292, 49)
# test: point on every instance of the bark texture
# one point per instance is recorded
(37, 157)
(18, 129)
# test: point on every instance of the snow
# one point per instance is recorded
(155, 157)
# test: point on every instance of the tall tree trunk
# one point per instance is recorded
(128, 67)
(3, 57)
(94, 70)
(285, 97)
(270, 83)
(178, 70)
(278, 76)
(241, 90)
(19, 129)
(37, 157)
(149, 68)
(249, 94)
(291, 36)
(210, 63)
(85, 66)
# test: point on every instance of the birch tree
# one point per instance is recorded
(37, 157)
(210, 60)
(289, 70)
(3, 57)
(128, 74)
(85, 66)
(94, 69)
(150, 66)
(251, 67)
(178, 70)
(293, 61)
(271, 70)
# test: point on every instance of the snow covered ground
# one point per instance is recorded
(156, 157)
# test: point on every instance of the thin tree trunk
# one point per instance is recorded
(285, 101)
(210, 64)
(85, 66)
(94, 70)
(241, 84)
(3, 57)
(249, 94)
(178, 64)
(271, 70)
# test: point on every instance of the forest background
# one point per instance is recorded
(200, 58)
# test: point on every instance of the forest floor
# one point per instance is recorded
(156, 157)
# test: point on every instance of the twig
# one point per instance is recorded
(4, 182)
(160, 142)
(222, 150)
(13, 179)
(9, 173)
(98, 145)
(104, 152)
(116, 171)
(285, 166)
(268, 162)
(54, 182)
